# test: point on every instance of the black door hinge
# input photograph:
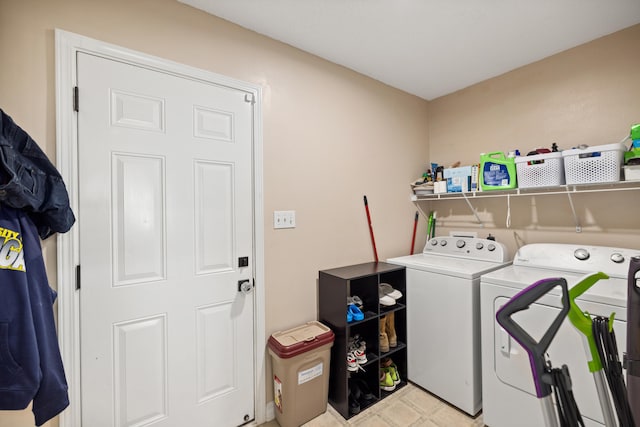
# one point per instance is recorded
(76, 100)
(77, 277)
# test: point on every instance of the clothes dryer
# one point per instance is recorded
(509, 397)
(443, 316)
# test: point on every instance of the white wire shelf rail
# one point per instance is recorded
(568, 189)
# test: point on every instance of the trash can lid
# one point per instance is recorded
(295, 341)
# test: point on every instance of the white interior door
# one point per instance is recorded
(165, 212)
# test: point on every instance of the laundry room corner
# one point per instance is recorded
(584, 95)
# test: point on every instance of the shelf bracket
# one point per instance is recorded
(424, 214)
(575, 216)
(473, 210)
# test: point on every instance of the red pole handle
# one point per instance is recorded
(373, 240)
(413, 239)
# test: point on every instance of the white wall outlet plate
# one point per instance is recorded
(284, 219)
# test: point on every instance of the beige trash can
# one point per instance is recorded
(300, 362)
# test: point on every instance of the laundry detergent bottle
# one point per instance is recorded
(497, 172)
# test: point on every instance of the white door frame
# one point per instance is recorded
(67, 46)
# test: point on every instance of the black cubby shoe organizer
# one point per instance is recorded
(352, 391)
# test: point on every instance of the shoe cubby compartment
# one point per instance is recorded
(361, 288)
(337, 287)
(366, 330)
(397, 280)
(399, 358)
(400, 321)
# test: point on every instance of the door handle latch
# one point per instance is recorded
(245, 286)
(505, 343)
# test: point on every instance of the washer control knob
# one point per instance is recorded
(460, 243)
(491, 247)
(433, 242)
(581, 254)
(617, 257)
(479, 245)
(443, 243)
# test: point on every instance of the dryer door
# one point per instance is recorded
(567, 348)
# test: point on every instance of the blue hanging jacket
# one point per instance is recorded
(30, 364)
(30, 182)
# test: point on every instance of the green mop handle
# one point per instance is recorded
(582, 321)
(430, 226)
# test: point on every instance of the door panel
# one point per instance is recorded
(165, 209)
(214, 217)
(140, 361)
(138, 194)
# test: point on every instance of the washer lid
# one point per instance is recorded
(612, 291)
(447, 265)
(579, 259)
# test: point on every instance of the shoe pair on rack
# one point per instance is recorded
(388, 337)
(360, 395)
(354, 309)
(356, 353)
(388, 295)
(389, 376)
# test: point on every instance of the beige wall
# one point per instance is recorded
(330, 135)
(586, 95)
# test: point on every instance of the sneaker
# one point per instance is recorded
(357, 341)
(357, 301)
(386, 382)
(393, 373)
(388, 365)
(361, 356)
(364, 392)
(352, 363)
(359, 349)
(385, 299)
(388, 290)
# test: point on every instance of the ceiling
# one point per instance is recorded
(429, 48)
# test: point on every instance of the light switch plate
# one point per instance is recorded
(284, 219)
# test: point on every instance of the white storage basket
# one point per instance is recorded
(631, 172)
(601, 163)
(541, 170)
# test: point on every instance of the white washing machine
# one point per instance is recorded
(509, 397)
(443, 316)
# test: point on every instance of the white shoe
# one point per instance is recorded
(387, 300)
(352, 364)
(387, 289)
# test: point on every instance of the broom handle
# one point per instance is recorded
(413, 239)
(373, 240)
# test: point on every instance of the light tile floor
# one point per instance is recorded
(408, 407)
